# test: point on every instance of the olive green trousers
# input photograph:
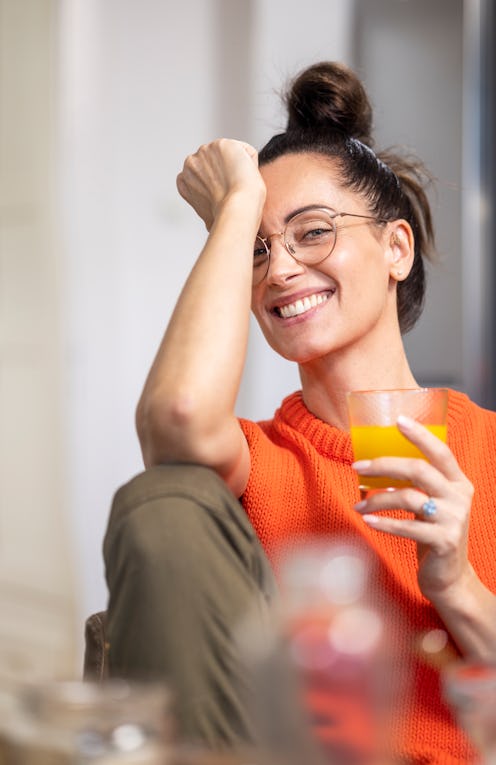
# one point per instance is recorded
(185, 572)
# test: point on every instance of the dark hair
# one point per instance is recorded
(329, 113)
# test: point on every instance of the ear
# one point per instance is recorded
(401, 248)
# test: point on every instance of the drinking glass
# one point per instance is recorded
(374, 433)
(83, 723)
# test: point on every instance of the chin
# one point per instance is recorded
(299, 355)
(303, 346)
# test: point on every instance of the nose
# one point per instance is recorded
(282, 264)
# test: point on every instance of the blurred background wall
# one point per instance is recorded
(100, 102)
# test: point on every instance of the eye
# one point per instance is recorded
(312, 232)
(316, 233)
(259, 252)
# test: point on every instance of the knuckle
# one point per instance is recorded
(222, 144)
(421, 471)
(202, 150)
(413, 498)
(189, 163)
(451, 541)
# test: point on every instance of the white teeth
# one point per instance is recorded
(300, 306)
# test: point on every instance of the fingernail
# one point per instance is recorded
(360, 505)
(362, 464)
(371, 520)
(404, 421)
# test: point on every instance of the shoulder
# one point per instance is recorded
(273, 439)
(290, 420)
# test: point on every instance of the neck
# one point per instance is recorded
(325, 381)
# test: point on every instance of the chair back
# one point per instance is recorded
(96, 648)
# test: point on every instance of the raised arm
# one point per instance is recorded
(186, 410)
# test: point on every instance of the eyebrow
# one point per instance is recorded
(305, 209)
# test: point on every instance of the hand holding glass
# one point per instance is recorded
(374, 433)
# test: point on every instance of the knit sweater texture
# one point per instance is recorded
(302, 484)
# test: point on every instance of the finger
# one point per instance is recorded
(408, 499)
(181, 185)
(436, 451)
(417, 472)
(184, 178)
(251, 151)
(423, 533)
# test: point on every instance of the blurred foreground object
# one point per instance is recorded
(74, 723)
(328, 673)
(470, 690)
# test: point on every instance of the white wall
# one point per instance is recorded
(135, 97)
(36, 572)
(142, 85)
(411, 57)
(139, 84)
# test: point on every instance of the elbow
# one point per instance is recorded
(168, 430)
(143, 423)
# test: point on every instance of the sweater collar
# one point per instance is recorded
(326, 439)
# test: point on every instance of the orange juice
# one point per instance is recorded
(370, 441)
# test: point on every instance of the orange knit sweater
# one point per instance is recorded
(302, 483)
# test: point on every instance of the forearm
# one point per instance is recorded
(468, 611)
(188, 401)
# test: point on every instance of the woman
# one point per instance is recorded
(338, 309)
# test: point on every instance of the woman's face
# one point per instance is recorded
(350, 294)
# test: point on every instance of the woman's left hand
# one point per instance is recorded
(442, 534)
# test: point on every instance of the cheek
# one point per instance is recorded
(369, 273)
(366, 290)
(375, 299)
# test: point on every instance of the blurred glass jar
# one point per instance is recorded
(470, 690)
(74, 723)
(326, 675)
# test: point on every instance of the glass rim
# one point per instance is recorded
(389, 391)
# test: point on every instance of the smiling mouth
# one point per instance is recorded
(302, 306)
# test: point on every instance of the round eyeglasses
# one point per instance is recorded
(309, 237)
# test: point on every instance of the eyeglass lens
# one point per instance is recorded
(309, 237)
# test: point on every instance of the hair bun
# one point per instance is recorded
(329, 96)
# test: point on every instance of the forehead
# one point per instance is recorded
(294, 181)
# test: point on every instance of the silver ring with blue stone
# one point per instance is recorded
(429, 508)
